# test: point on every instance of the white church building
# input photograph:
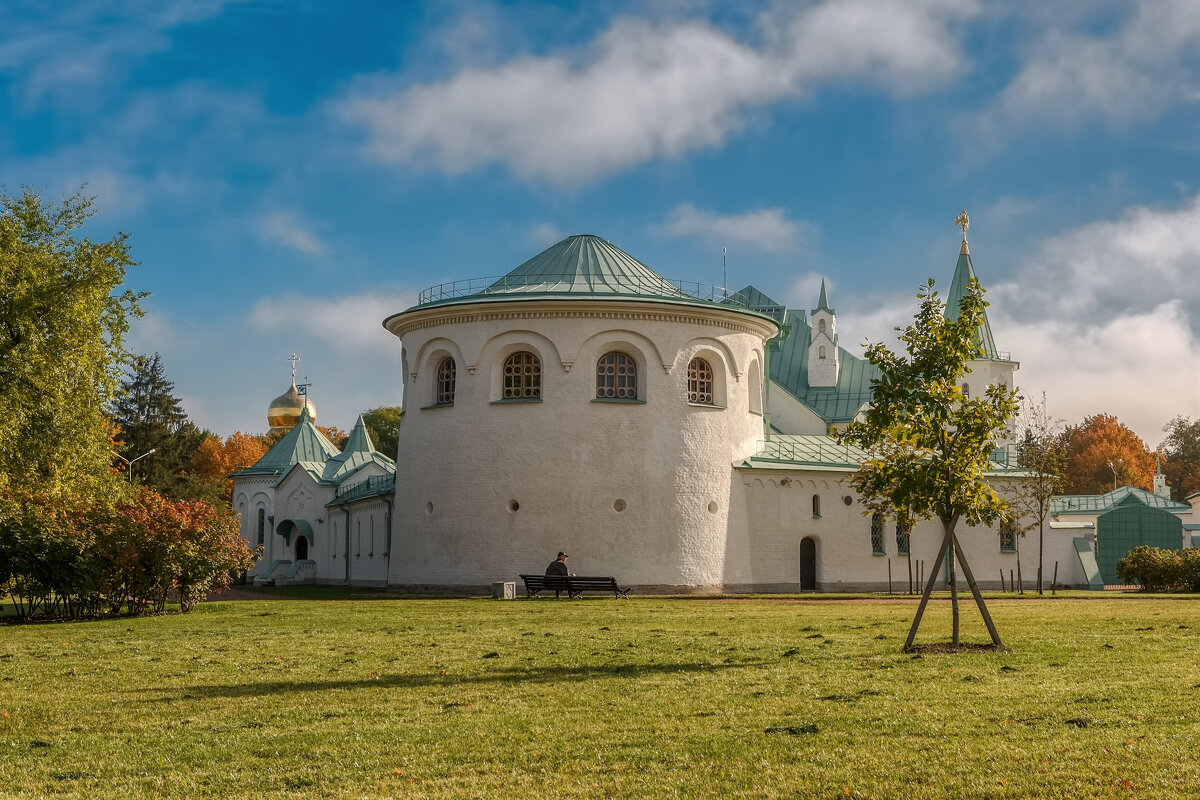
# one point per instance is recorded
(672, 436)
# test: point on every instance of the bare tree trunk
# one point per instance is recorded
(912, 632)
(1041, 549)
(987, 618)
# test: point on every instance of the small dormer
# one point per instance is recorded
(823, 361)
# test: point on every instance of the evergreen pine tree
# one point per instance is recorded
(151, 418)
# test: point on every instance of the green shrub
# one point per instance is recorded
(1160, 570)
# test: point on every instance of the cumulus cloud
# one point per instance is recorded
(1079, 69)
(284, 227)
(544, 234)
(645, 90)
(767, 229)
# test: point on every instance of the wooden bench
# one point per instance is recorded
(573, 585)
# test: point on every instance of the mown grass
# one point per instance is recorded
(652, 697)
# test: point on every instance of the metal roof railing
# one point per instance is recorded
(575, 283)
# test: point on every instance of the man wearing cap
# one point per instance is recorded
(559, 567)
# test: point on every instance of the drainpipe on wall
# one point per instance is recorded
(388, 532)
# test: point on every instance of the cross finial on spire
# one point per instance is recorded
(963, 221)
(293, 358)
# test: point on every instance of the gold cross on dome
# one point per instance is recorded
(964, 222)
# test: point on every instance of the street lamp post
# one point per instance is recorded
(1114, 472)
(129, 461)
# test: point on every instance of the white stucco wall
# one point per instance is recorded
(486, 490)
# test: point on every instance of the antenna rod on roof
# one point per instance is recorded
(724, 276)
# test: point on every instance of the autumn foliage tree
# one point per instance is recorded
(1181, 452)
(1101, 454)
(216, 459)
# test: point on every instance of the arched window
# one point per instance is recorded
(1008, 534)
(446, 374)
(700, 382)
(616, 377)
(371, 551)
(821, 352)
(816, 505)
(966, 391)
(522, 376)
(262, 527)
(903, 536)
(821, 327)
(877, 535)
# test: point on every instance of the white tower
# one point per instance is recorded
(823, 362)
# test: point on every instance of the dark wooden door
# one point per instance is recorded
(808, 564)
(301, 548)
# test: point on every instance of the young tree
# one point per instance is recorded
(1181, 452)
(151, 418)
(1103, 454)
(930, 446)
(1041, 458)
(63, 322)
(383, 424)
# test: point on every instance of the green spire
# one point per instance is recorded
(963, 273)
(823, 302)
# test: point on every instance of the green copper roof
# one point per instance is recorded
(801, 450)
(303, 443)
(374, 486)
(581, 267)
(358, 452)
(1125, 495)
(823, 303)
(585, 265)
(789, 370)
(963, 273)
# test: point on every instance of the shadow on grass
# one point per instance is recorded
(434, 679)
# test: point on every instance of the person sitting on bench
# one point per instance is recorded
(559, 567)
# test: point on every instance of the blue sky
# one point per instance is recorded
(293, 172)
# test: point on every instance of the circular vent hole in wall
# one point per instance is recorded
(428, 508)
(618, 505)
(513, 506)
(712, 507)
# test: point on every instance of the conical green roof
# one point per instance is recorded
(963, 273)
(358, 452)
(302, 443)
(585, 265)
(823, 302)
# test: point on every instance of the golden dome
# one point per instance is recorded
(285, 410)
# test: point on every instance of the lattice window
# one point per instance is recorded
(616, 377)
(1008, 535)
(700, 382)
(446, 375)
(522, 376)
(903, 537)
(877, 535)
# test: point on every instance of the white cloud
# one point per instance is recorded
(767, 229)
(284, 227)
(544, 234)
(350, 324)
(1123, 75)
(645, 90)
(80, 46)
(351, 361)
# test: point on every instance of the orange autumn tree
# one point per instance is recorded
(1100, 446)
(216, 459)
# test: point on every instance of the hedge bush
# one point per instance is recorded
(72, 558)
(1160, 570)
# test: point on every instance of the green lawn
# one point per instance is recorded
(651, 697)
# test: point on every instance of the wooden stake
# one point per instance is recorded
(987, 618)
(912, 632)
